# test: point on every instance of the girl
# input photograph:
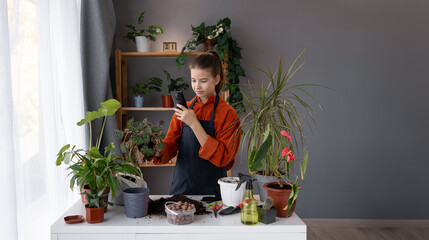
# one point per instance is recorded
(205, 134)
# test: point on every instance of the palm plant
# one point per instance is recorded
(272, 111)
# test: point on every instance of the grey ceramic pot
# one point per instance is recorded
(259, 184)
(136, 202)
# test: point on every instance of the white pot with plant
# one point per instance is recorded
(141, 89)
(143, 37)
(230, 196)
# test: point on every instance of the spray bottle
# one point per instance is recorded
(249, 209)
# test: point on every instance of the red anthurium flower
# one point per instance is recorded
(290, 157)
(285, 151)
(286, 134)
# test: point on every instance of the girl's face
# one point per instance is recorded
(203, 83)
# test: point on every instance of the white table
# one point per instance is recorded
(116, 226)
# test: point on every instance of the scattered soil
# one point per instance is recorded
(157, 206)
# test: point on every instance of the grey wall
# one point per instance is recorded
(368, 157)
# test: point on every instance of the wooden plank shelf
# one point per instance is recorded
(153, 165)
(158, 54)
(146, 109)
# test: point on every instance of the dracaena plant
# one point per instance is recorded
(90, 166)
(148, 33)
(273, 121)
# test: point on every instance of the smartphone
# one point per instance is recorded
(178, 98)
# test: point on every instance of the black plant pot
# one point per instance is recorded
(267, 216)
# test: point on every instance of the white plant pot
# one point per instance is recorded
(230, 197)
(143, 44)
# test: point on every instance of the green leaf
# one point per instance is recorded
(109, 107)
(261, 154)
(304, 165)
(67, 157)
(88, 118)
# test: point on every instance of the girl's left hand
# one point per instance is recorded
(186, 115)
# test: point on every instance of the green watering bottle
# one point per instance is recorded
(249, 209)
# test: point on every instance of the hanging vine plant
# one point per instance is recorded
(220, 37)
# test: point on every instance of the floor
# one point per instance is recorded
(325, 233)
(367, 230)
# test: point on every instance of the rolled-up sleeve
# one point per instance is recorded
(221, 150)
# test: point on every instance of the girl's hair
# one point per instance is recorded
(210, 61)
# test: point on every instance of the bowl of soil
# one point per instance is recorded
(231, 197)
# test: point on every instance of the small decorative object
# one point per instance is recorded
(140, 89)
(136, 202)
(173, 85)
(169, 47)
(143, 37)
(219, 38)
(274, 118)
(230, 197)
(140, 141)
(179, 213)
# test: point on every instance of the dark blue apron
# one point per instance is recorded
(192, 174)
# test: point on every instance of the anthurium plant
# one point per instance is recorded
(273, 121)
(90, 166)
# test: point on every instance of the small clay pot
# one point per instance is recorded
(280, 197)
(167, 101)
(94, 215)
(86, 189)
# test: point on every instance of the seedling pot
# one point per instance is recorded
(267, 216)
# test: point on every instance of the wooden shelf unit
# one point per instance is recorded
(121, 67)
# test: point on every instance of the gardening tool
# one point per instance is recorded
(215, 207)
(230, 210)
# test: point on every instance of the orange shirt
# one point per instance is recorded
(221, 150)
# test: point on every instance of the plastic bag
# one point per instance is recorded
(127, 181)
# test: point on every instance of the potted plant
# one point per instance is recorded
(275, 113)
(95, 207)
(173, 85)
(219, 37)
(143, 37)
(140, 141)
(90, 167)
(140, 89)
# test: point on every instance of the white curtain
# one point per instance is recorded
(42, 99)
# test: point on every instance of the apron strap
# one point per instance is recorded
(214, 108)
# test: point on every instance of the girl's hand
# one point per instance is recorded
(186, 115)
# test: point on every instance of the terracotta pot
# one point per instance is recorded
(280, 197)
(167, 101)
(209, 44)
(94, 215)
